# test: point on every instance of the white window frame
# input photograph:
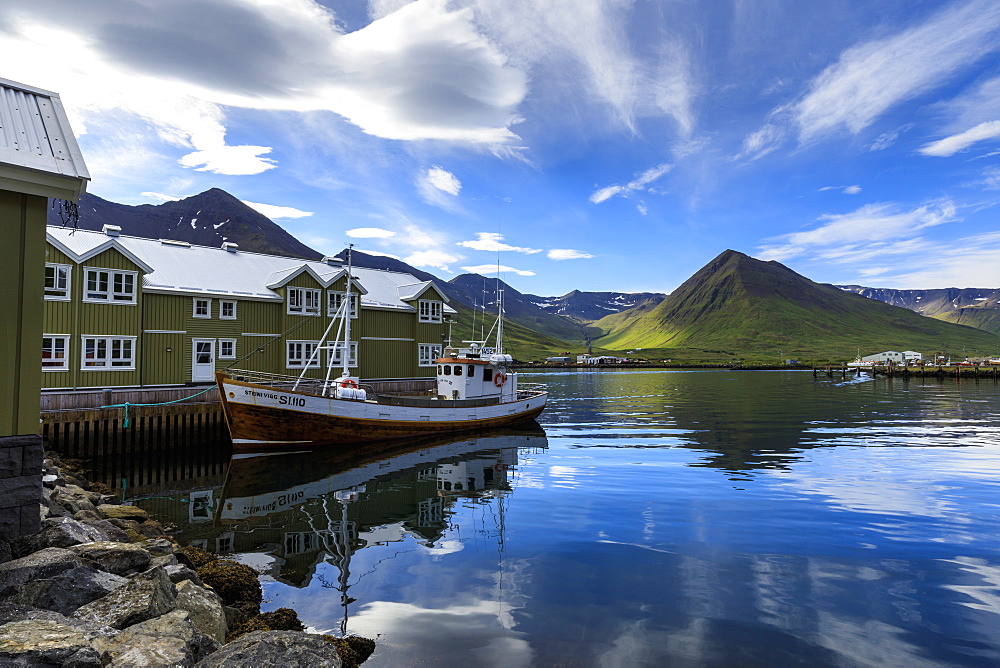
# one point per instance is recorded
(222, 309)
(207, 313)
(337, 349)
(299, 301)
(220, 351)
(56, 293)
(430, 310)
(423, 358)
(110, 294)
(297, 354)
(107, 362)
(334, 298)
(64, 365)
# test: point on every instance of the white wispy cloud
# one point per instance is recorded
(887, 139)
(641, 208)
(487, 269)
(637, 184)
(425, 71)
(972, 261)
(370, 233)
(583, 47)
(493, 241)
(990, 180)
(847, 190)
(958, 142)
(379, 254)
(873, 76)
(759, 143)
(160, 197)
(439, 187)
(435, 259)
(864, 233)
(275, 212)
(567, 254)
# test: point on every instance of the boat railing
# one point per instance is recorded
(277, 380)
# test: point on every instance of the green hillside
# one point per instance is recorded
(986, 318)
(754, 309)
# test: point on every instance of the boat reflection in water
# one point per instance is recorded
(289, 513)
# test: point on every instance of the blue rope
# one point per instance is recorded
(128, 405)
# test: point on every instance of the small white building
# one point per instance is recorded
(602, 359)
(892, 356)
(913, 357)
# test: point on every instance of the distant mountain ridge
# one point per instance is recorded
(974, 307)
(590, 306)
(205, 219)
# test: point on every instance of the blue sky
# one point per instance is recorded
(582, 144)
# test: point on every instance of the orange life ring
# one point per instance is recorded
(349, 383)
(499, 379)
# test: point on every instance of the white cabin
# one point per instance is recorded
(475, 373)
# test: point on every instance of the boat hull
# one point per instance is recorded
(259, 416)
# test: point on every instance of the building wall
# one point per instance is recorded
(166, 329)
(22, 238)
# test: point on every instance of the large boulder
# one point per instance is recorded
(42, 642)
(145, 596)
(67, 591)
(205, 608)
(289, 649)
(113, 512)
(42, 564)
(74, 498)
(171, 639)
(58, 532)
(113, 556)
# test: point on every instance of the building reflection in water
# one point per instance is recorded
(288, 513)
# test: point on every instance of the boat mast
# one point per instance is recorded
(345, 352)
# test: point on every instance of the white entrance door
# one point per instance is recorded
(203, 360)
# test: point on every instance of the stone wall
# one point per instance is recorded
(20, 485)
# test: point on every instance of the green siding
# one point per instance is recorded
(166, 328)
(22, 237)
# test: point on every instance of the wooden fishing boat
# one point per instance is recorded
(283, 410)
(475, 389)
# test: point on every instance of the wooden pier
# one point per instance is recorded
(902, 371)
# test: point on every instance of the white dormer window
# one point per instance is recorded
(108, 285)
(57, 281)
(303, 301)
(430, 311)
(202, 308)
(336, 299)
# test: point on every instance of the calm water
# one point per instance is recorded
(661, 518)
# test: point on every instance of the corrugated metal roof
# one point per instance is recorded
(216, 271)
(38, 151)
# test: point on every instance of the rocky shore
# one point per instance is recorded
(103, 585)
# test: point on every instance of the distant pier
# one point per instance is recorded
(926, 371)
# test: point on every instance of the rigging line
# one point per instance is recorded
(301, 322)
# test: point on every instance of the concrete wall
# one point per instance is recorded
(20, 485)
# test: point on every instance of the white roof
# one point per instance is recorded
(38, 152)
(189, 269)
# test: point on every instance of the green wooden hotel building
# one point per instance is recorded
(121, 311)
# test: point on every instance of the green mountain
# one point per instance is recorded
(750, 308)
